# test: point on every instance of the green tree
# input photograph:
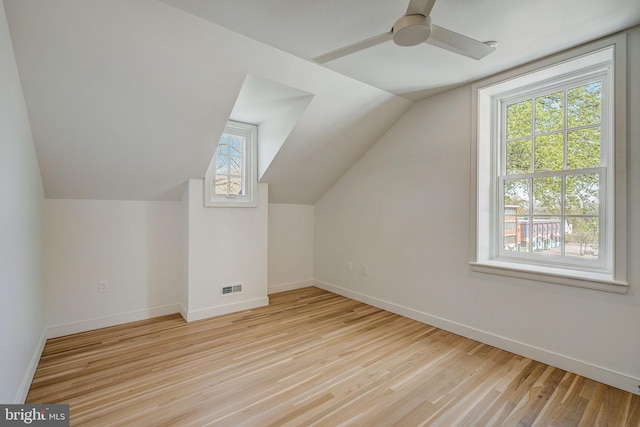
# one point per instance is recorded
(583, 198)
(516, 193)
(584, 233)
(549, 113)
(557, 132)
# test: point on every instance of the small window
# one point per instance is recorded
(548, 191)
(231, 177)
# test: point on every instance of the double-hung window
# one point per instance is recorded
(550, 197)
(553, 170)
(232, 176)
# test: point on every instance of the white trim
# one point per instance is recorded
(111, 320)
(205, 313)
(25, 385)
(579, 279)
(585, 369)
(290, 286)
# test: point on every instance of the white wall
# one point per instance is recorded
(21, 195)
(404, 211)
(184, 265)
(290, 247)
(134, 246)
(225, 246)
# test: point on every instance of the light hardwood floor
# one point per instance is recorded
(311, 358)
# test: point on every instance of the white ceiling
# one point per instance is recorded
(524, 30)
(127, 98)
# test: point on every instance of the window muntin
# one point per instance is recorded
(232, 174)
(230, 165)
(553, 173)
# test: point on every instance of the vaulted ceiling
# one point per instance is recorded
(127, 98)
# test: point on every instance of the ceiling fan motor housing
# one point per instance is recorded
(411, 30)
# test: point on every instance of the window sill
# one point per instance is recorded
(225, 204)
(576, 278)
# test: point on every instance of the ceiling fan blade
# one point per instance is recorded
(454, 42)
(352, 48)
(420, 7)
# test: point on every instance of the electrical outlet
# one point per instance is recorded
(364, 270)
(349, 266)
(103, 286)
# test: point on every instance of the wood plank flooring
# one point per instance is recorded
(311, 358)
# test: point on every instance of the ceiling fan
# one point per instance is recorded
(414, 28)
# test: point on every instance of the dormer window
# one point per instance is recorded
(232, 177)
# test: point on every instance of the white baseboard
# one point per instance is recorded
(21, 396)
(205, 313)
(585, 369)
(116, 319)
(282, 287)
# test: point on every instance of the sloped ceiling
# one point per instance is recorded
(275, 108)
(524, 30)
(127, 99)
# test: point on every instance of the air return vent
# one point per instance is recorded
(234, 288)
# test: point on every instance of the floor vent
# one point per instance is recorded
(235, 288)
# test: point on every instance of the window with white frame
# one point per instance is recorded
(232, 176)
(550, 200)
(552, 173)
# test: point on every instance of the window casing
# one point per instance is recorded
(232, 177)
(549, 199)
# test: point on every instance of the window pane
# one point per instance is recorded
(235, 164)
(550, 112)
(221, 184)
(223, 145)
(549, 152)
(522, 227)
(583, 148)
(581, 235)
(519, 156)
(546, 235)
(547, 195)
(222, 165)
(236, 146)
(516, 196)
(582, 194)
(519, 117)
(585, 105)
(515, 230)
(235, 185)
(510, 235)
